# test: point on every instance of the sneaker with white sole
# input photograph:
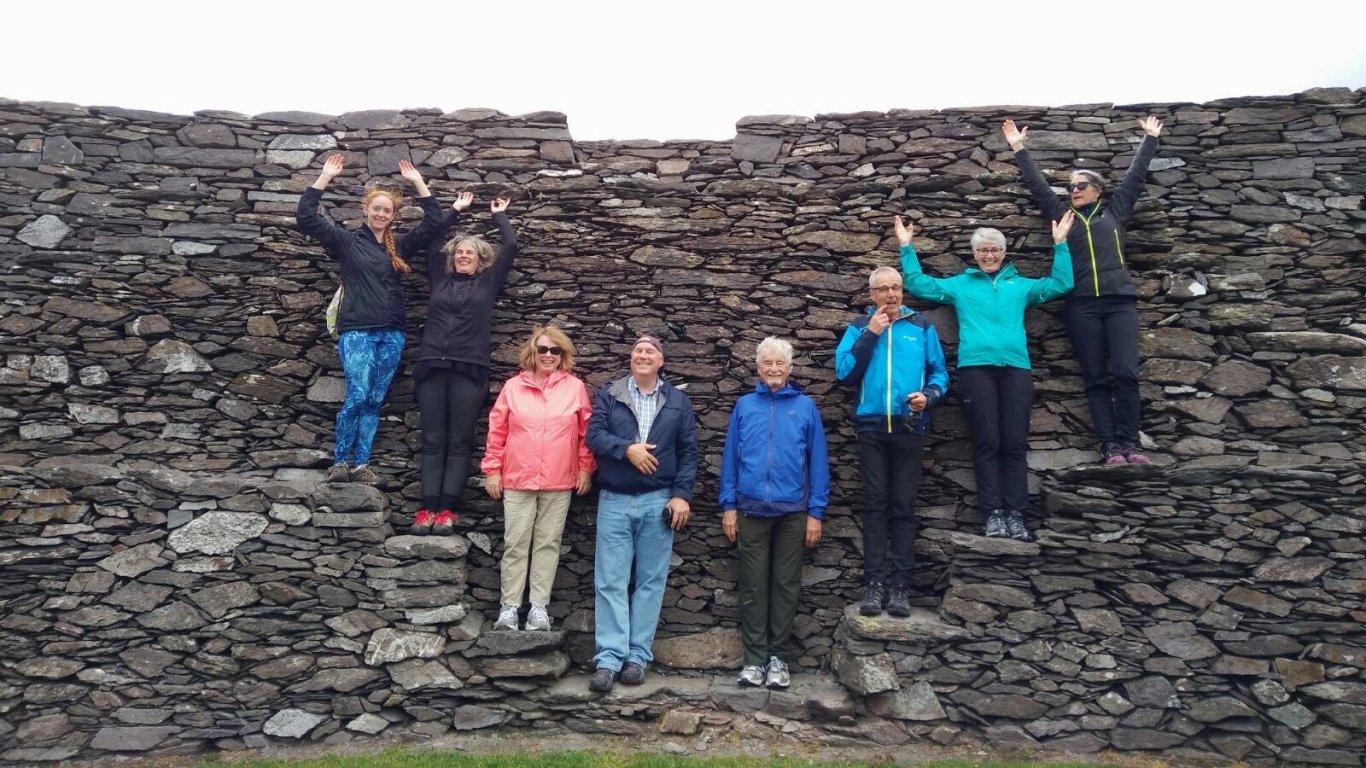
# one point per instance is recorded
(752, 676)
(537, 620)
(778, 676)
(507, 618)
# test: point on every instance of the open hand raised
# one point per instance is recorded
(1151, 125)
(904, 231)
(1015, 137)
(463, 201)
(332, 167)
(407, 171)
(1061, 227)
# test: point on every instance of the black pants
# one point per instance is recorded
(1104, 333)
(998, 399)
(890, 464)
(450, 404)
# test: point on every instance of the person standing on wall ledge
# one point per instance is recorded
(775, 486)
(465, 277)
(993, 361)
(892, 356)
(1102, 310)
(371, 317)
(644, 435)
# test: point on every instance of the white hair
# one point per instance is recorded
(986, 235)
(773, 345)
(884, 271)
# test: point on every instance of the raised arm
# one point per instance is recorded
(410, 244)
(1121, 202)
(1034, 180)
(918, 283)
(1059, 282)
(311, 222)
(507, 249)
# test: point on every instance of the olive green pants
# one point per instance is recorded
(771, 550)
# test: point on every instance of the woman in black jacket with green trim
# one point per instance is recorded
(1102, 310)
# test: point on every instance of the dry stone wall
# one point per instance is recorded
(174, 578)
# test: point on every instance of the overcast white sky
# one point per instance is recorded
(670, 70)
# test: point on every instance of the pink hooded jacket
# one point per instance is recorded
(536, 433)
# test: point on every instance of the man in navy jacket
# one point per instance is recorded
(644, 436)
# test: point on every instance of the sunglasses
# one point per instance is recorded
(556, 351)
(1079, 186)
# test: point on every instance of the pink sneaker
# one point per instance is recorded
(1112, 455)
(1135, 456)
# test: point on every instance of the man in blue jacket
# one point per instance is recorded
(644, 436)
(892, 355)
(775, 485)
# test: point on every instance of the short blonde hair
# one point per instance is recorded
(557, 338)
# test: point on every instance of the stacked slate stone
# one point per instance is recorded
(161, 313)
(1207, 612)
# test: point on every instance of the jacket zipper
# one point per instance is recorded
(1119, 248)
(888, 388)
(1091, 246)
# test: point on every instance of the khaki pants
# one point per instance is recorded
(533, 523)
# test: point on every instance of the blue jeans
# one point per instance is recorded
(369, 359)
(631, 532)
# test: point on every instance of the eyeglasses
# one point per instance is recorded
(556, 351)
(989, 251)
(885, 288)
(1079, 186)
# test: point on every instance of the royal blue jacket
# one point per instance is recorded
(775, 460)
(887, 368)
(612, 428)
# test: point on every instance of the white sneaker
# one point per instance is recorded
(537, 620)
(507, 618)
(751, 676)
(777, 673)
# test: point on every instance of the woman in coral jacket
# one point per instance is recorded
(534, 457)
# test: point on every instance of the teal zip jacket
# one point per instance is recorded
(990, 308)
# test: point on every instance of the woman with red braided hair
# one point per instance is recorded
(371, 318)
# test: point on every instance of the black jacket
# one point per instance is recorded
(1097, 237)
(460, 310)
(374, 297)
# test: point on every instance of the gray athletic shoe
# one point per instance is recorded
(752, 676)
(365, 475)
(996, 527)
(1015, 523)
(537, 620)
(778, 676)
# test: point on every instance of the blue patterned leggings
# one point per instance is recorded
(369, 359)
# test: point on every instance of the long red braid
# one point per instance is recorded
(395, 260)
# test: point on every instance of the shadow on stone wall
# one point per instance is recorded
(166, 370)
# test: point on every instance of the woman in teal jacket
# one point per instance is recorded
(993, 360)
(775, 485)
